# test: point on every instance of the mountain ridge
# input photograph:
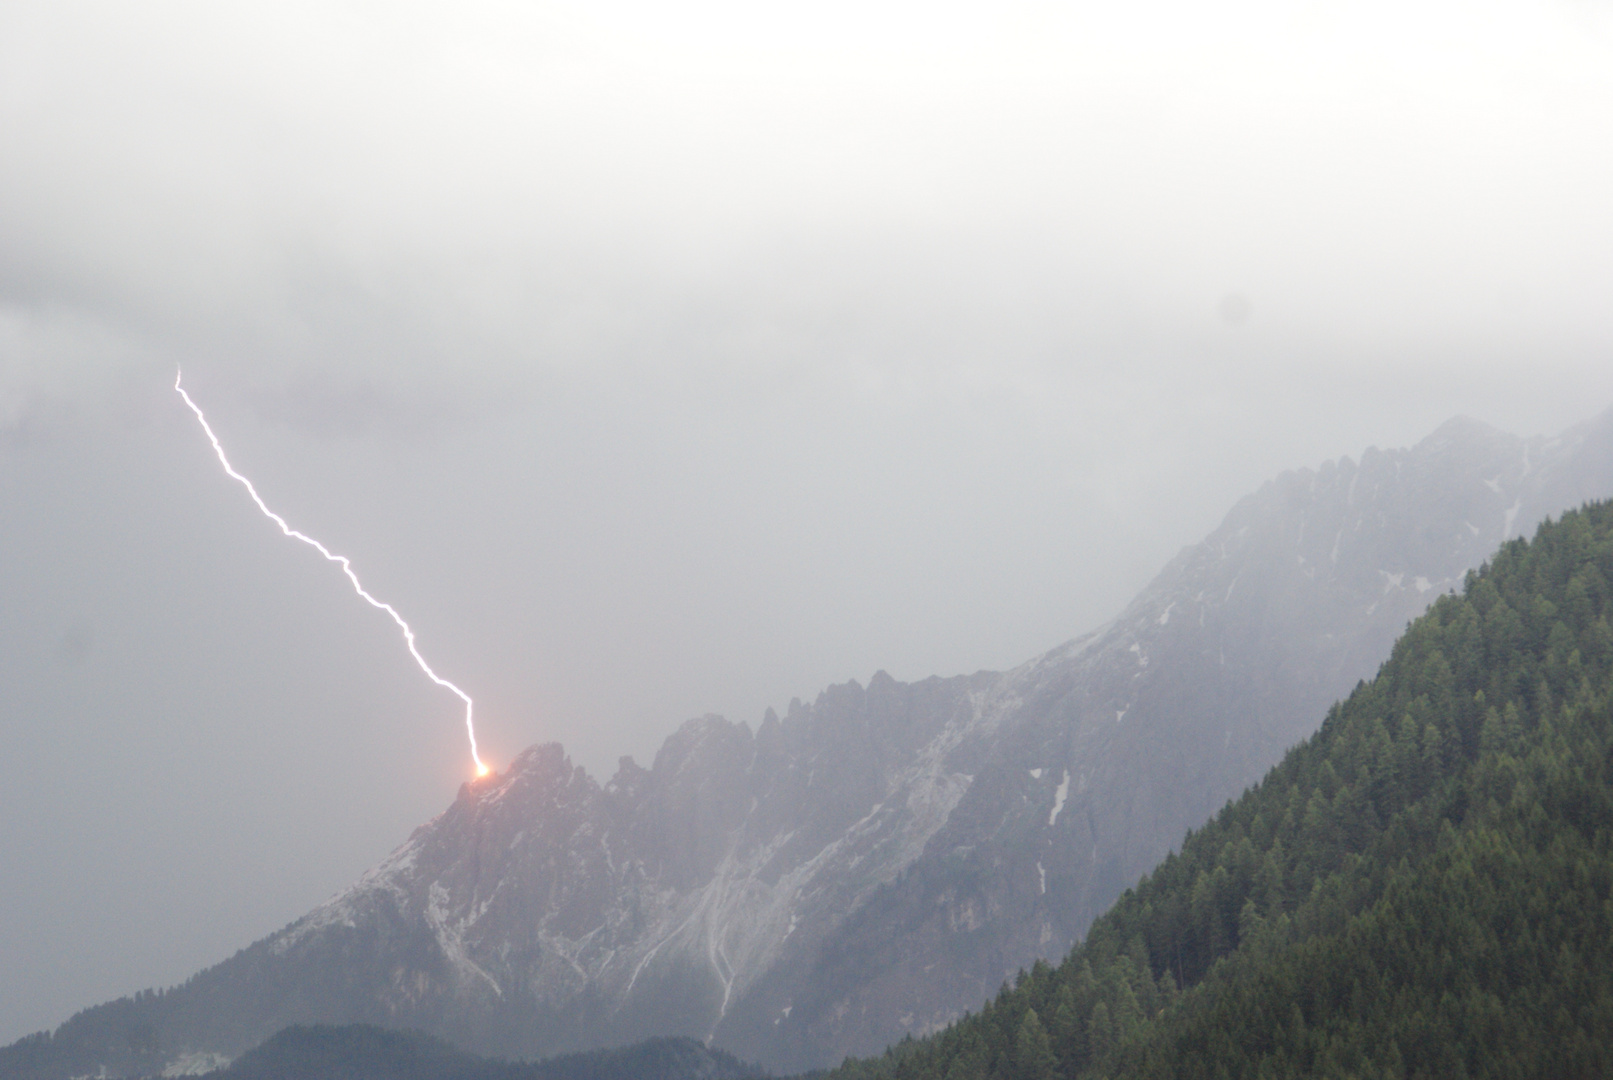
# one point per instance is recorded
(872, 863)
(1424, 887)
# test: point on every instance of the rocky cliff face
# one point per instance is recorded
(1118, 742)
(879, 860)
(544, 912)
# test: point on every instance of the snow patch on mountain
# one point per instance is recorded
(1059, 797)
(195, 1063)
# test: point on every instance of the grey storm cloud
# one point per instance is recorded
(27, 418)
(330, 406)
(659, 360)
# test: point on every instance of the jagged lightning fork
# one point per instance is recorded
(347, 568)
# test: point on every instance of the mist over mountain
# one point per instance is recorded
(1422, 888)
(660, 360)
(875, 862)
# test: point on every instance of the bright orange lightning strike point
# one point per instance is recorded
(347, 568)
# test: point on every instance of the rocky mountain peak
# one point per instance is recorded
(1462, 434)
(876, 861)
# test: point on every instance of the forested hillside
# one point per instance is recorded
(1422, 888)
(364, 1052)
(368, 1052)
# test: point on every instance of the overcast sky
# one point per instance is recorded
(669, 358)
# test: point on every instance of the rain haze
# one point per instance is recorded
(657, 360)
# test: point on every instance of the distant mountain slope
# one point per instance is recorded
(1122, 740)
(875, 862)
(1423, 888)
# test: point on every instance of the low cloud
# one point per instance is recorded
(29, 418)
(335, 406)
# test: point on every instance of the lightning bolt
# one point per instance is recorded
(347, 568)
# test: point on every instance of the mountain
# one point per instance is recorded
(1422, 888)
(875, 862)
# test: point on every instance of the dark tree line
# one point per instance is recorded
(366, 1052)
(1423, 888)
